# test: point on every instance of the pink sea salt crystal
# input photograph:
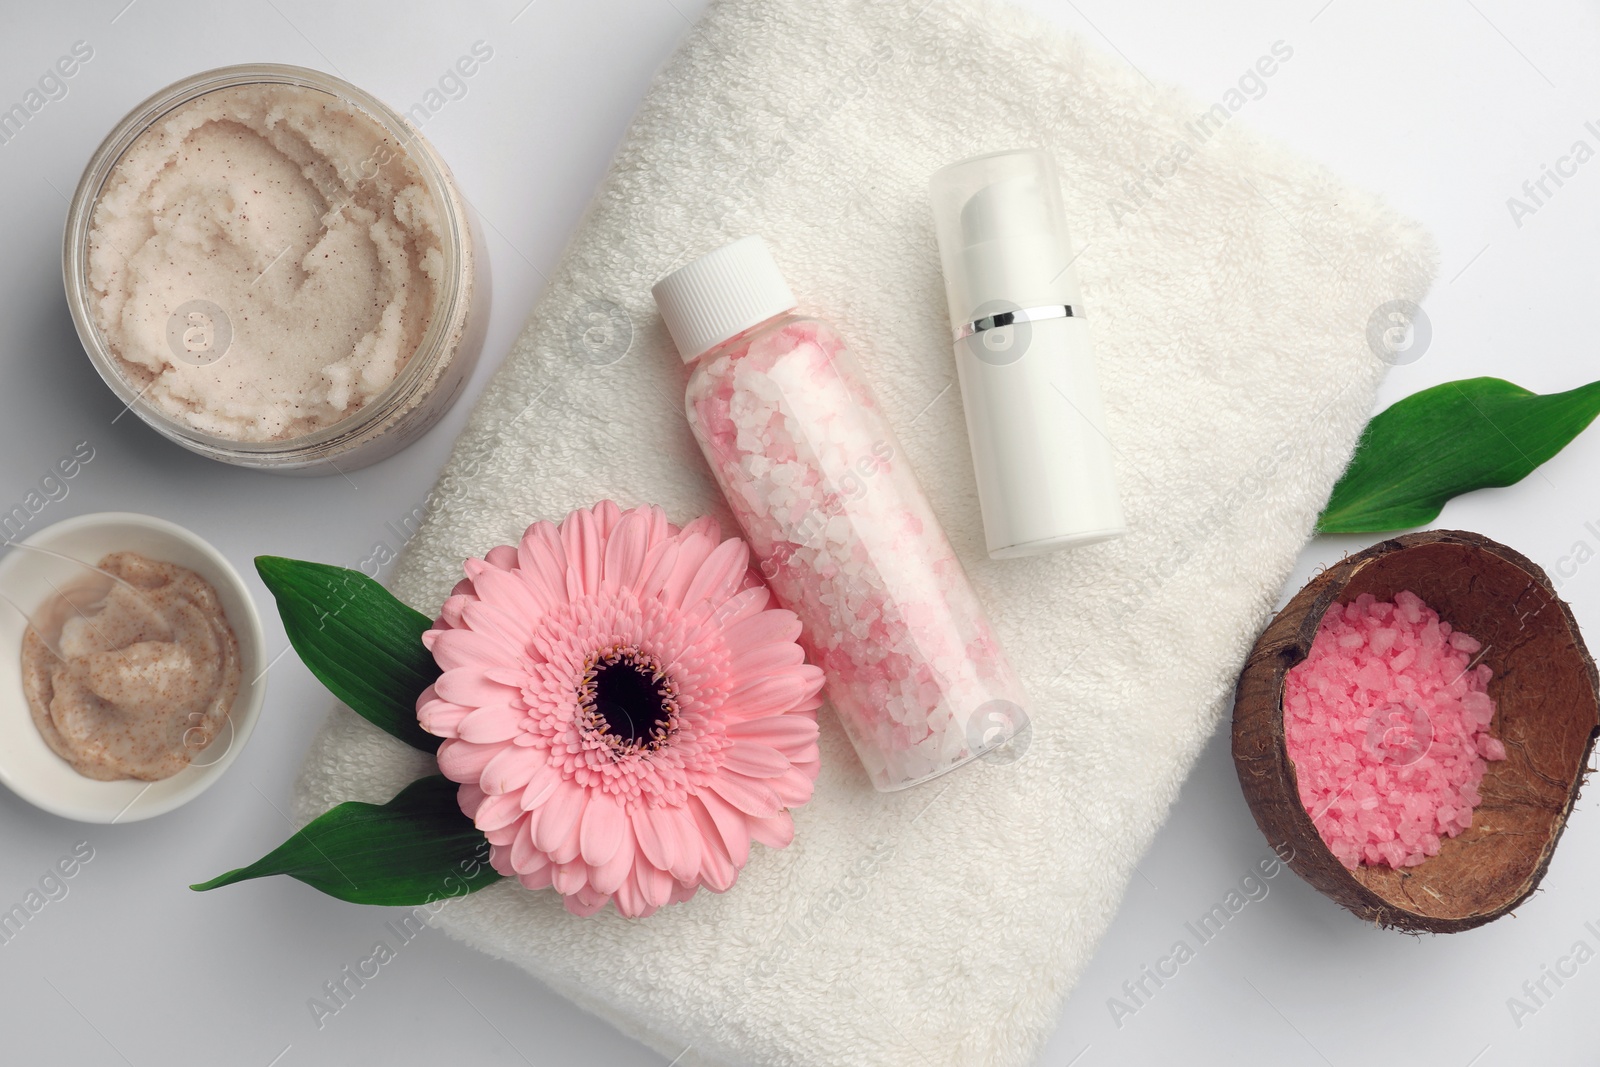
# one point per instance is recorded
(1388, 724)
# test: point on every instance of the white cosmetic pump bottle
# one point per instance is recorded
(1040, 447)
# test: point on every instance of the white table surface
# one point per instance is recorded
(1446, 107)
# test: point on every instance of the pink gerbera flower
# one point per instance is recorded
(624, 712)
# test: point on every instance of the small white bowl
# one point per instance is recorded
(28, 767)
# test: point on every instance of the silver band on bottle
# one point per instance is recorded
(1007, 318)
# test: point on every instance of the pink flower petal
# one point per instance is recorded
(719, 576)
(500, 860)
(503, 584)
(502, 557)
(525, 857)
(764, 659)
(511, 770)
(601, 833)
(581, 540)
(606, 516)
(510, 594)
(814, 680)
(513, 678)
(585, 902)
(660, 530)
(786, 733)
(677, 826)
(463, 761)
(467, 685)
(693, 549)
(439, 717)
(542, 564)
(539, 879)
(627, 898)
(774, 693)
(570, 847)
(542, 785)
(776, 832)
(450, 613)
(655, 885)
(470, 798)
(773, 626)
(560, 815)
(717, 872)
(570, 877)
(750, 758)
(656, 569)
(730, 825)
(454, 649)
(609, 876)
(492, 724)
(748, 795)
(657, 848)
(569, 850)
(703, 526)
(496, 812)
(793, 787)
(503, 628)
(742, 607)
(625, 551)
(530, 819)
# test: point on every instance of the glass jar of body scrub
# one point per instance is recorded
(273, 269)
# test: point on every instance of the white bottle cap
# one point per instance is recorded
(1003, 236)
(721, 295)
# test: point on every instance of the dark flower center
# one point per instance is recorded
(626, 700)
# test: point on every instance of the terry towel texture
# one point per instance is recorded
(1230, 305)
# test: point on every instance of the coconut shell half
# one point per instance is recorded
(1547, 713)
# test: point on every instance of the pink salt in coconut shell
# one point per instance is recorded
(1547, 713)
(1387, 721)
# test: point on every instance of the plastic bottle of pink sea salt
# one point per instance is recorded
(836, 521)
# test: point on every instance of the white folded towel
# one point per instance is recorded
(1230, 287)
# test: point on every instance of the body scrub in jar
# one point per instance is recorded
(273, 269)
(837, 522)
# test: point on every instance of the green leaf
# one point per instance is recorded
(1451, 439)
(358, 639)
(416, 849)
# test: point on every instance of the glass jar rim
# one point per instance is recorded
(451, 298)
